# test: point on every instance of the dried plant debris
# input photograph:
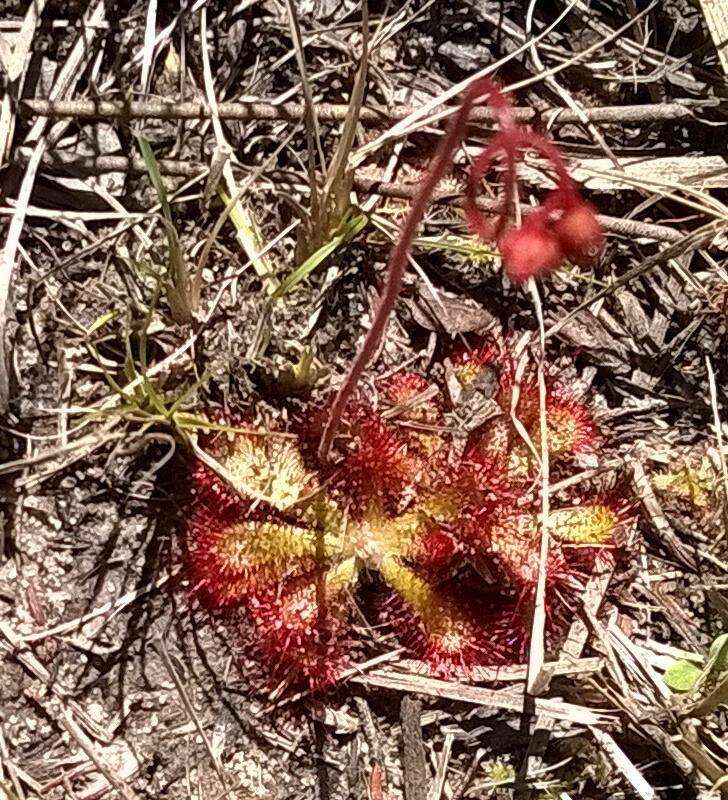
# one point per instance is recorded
(202, 205)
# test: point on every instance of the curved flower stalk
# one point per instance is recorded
(564, 227)
(286, 539)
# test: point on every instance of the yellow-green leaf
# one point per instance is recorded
(681, 676)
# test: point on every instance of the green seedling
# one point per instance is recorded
(684, 676)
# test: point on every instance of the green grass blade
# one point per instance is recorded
(150, 162)
(347, 231)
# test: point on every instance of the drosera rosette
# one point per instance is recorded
(284, 540)
(690, 478)
(689, 485)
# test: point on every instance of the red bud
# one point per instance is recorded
(530, 250)
(580, 234)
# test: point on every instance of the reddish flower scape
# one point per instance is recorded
(564, 228)
(448, 534)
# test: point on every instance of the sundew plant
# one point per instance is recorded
(445, 529)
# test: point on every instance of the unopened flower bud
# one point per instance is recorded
(530, 250)
(580, 234)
